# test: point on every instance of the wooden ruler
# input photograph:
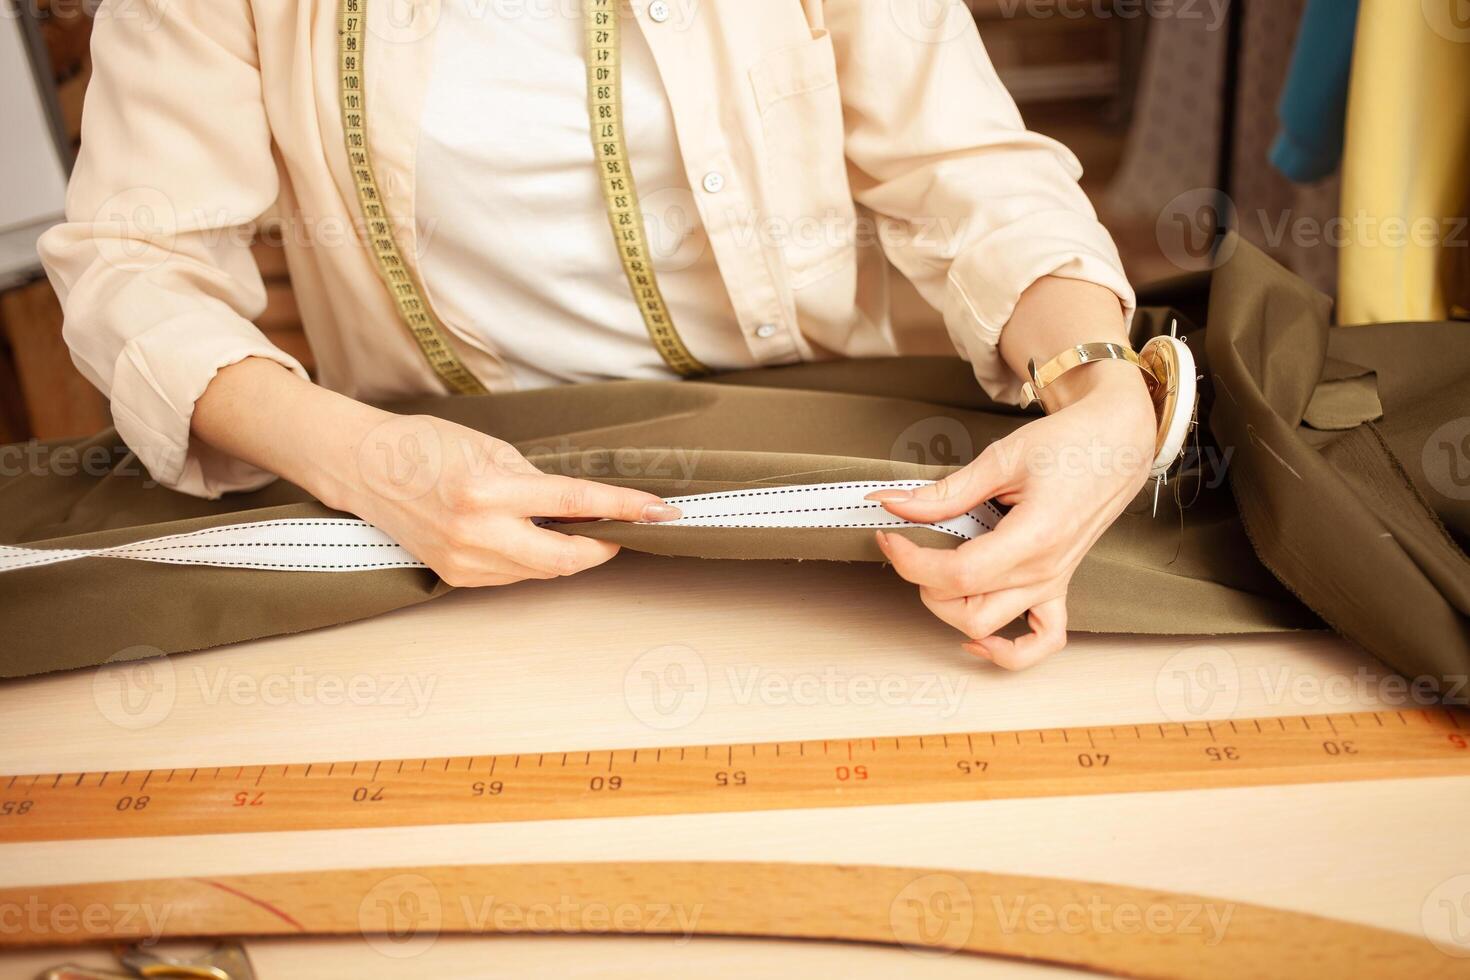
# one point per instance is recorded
(401, 912)
(735, 777)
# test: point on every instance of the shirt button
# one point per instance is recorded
(658, 11)
(714, 181)
(766, 331)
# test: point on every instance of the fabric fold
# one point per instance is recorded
(849, 422)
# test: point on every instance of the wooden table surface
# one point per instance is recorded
(650, 652)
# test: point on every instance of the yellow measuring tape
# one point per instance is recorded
(424, 327)
(605, 106)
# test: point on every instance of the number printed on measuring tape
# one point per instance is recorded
(605, 108)
(407, 297)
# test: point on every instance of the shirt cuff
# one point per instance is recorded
(160, 374)
(986, 282)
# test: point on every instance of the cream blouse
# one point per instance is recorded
(835, 153)
(516, 243)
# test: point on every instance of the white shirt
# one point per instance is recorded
(517, 245)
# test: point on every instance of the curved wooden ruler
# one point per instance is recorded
(1105, 928)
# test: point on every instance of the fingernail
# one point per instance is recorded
(657, 513)
(889, 496)
(883, 542)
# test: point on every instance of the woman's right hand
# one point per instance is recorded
(460, 501)
(463, 502)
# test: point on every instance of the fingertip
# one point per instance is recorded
(600, 552)
(976, 649)
(1004, 653)
(895, 542)
(659, 512)
(897, 548)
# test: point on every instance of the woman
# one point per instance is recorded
(463, 130)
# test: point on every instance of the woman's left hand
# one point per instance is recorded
(1066, 478)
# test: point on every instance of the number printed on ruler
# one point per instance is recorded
(738, 777)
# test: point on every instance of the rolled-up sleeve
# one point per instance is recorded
(976, 208)
(153, 264)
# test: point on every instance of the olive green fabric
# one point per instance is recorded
(1356, 497)
(770, 427)
(1385, 559)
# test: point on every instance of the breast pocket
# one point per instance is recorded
(811, 214)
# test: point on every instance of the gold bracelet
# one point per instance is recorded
(1074, 357)
(1168, 371)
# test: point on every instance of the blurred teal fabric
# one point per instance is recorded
(1313, 109)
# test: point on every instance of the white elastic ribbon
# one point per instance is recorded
(309, 545)
(349, 545)
(818, 505)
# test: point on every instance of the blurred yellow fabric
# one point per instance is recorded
(1406, 166)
